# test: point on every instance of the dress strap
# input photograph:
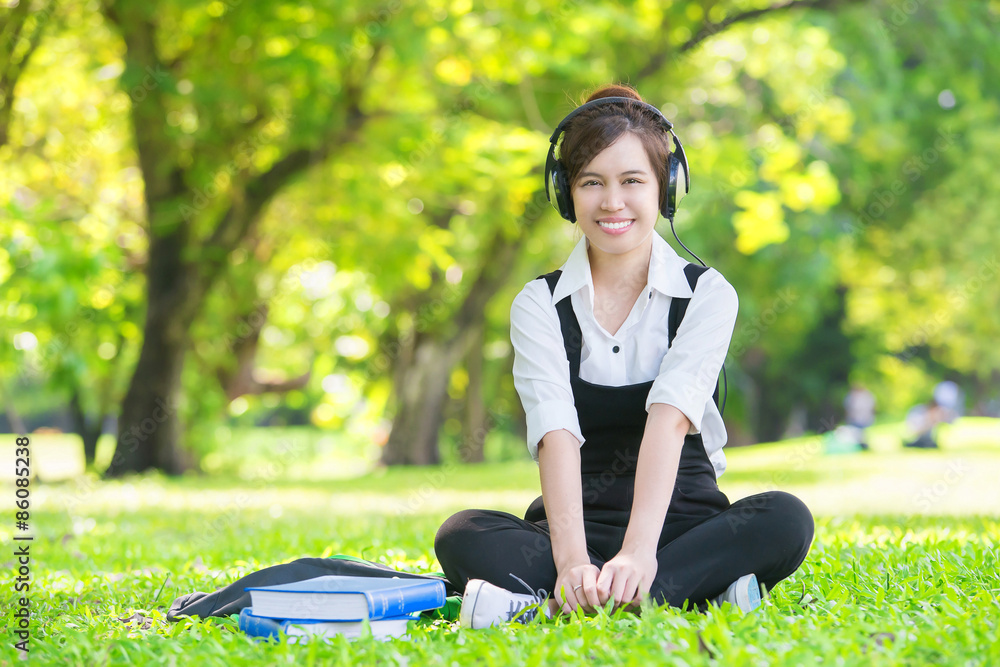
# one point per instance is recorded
(570, 326)
(678, 306)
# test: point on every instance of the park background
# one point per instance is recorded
(257, 258)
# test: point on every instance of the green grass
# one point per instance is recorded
(903, 569)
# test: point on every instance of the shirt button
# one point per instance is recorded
(616, 349)
(650, 295)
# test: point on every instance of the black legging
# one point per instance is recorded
(768, 534)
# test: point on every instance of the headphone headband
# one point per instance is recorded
(667, 125)
(557, 185)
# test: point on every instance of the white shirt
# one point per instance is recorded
(684, 378)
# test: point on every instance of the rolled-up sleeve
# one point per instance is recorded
(690, 368)
(541, 371)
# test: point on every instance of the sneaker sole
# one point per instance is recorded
(748, 596)
(468, 611)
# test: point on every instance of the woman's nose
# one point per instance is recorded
(612, 199)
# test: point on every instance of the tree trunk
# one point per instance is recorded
(827, 355)
(518, 420)
(768, 406)
(425, 359)
(421, 393)
(12, 42)
(772, 410)
(474, 426)
(149, 427)
(90, 432)
(13, 417)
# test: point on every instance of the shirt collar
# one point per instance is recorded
(666, 272)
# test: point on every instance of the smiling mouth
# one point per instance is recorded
(615, 226)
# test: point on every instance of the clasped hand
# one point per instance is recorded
(626, 578)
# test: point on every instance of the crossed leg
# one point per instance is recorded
(768, 534)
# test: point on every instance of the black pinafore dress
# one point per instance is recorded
(613, 420)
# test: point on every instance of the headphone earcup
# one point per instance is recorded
(669, 204)
(560, 190)
(677, 185)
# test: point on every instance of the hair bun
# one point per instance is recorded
(615, 90)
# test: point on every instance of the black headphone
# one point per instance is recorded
(557, 181)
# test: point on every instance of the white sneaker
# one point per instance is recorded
(744, 593)
(485, 605)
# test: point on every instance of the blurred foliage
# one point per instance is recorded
(841, 180)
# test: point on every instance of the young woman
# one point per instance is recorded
(619, 403)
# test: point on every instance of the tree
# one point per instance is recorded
(69, 290)
(21, 32)
(208, 181)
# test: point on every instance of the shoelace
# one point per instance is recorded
(517, 607)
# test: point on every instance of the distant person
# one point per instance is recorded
(924, 420)
(949, 398)
(859, 409)
(988, 407)
(621, 420)
(921, 421)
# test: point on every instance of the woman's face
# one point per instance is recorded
(617, 198)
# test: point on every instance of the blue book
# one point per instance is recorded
(292, 629)
(345, 598)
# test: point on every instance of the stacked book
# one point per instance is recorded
(339, 605)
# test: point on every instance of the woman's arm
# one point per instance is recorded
(656, 472)
(562, 492)
(541, 370)
(629, 575)
(541, 377)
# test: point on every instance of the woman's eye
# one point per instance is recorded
(634, 180)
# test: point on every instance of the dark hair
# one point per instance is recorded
(595, 129)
